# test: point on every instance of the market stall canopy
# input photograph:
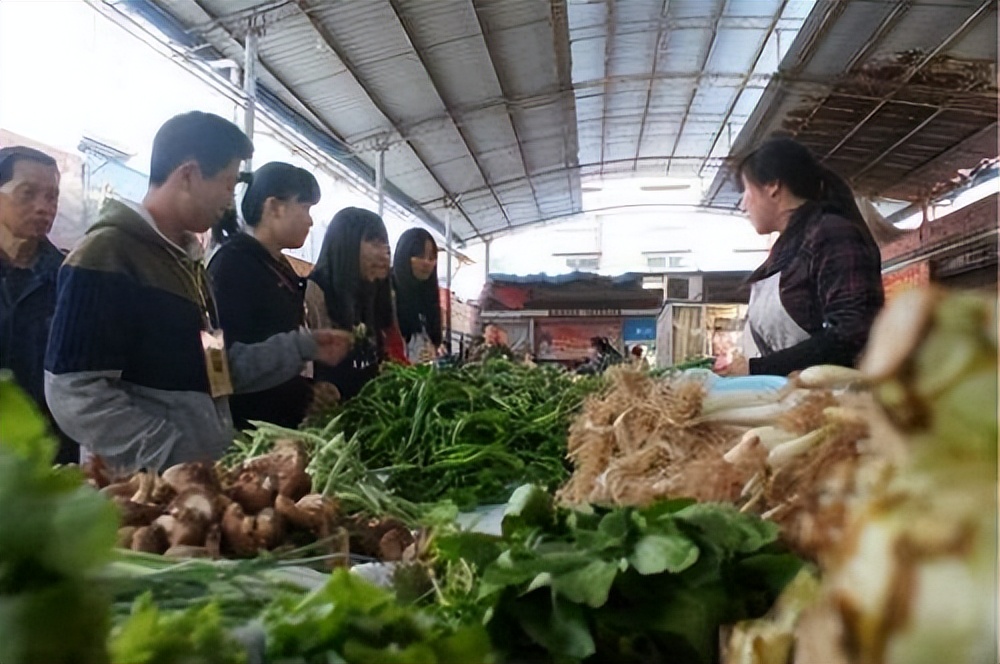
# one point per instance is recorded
(498, 108)
(495, 113)
(896, 96)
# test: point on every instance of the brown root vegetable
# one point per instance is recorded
(184, 475)
(366, 534)
(147, 482)
(195, 503)
(124, 488)
(190, 532)
(268, 529)
(186, 551)
(287, 462)
(394, 543)
(316, 513)
(150, 539)
(237, 532)
(125, 535)
(254, 491)
(135, 514)
(213, 541)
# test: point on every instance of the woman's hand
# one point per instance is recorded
(738, 366)
(332, 346)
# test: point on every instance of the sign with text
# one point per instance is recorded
(585, 313)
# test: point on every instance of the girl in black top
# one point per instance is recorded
(418, 307)
(257, 292)
(349, 290)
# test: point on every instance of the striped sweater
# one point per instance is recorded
(125, 372)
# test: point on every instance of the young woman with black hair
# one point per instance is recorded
(349, 289)
(814, 298)
(415, 283)
(257, 292)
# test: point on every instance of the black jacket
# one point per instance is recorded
(258, 296)
(25, 319)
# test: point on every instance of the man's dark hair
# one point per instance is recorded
(213, 142)
(11, 155)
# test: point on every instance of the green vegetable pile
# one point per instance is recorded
(620, 585)
(468, 434)
(350, 620)
(54, 531)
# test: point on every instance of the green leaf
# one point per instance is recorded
(728, 529)
(558, 626)
(23, 429)
(529, 507)
(654, 554)
(589, 585)
(614, 526)
(477, 549)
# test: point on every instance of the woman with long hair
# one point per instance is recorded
(415, 284)
(814, 298)
(257, 292)
(349, 289)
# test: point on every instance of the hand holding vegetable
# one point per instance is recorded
(332, 346)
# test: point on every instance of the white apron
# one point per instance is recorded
(769, 328)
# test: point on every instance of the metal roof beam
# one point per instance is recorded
(913, 71)
(437, 91)
(609, 46)
(694, 93)
(304, 6)
(484, 31)
(652, 77)
(746, 80)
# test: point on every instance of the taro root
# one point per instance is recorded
(316, 513)
(124, 488)
(135, 514)
(186, 551)
(393, 543)
(268, 529)
(367, 534)
(150, 539)
(254, 491)
(213, 541)
(237, 532)
(195, 503)
(124, 539)
(184, 475)
(190, 531)
(287, 462)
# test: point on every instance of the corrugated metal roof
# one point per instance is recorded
(495, 111)
(895, 96)
(469, 99)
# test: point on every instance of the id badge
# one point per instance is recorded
(216, 363)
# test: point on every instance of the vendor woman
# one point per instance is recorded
(814, 298)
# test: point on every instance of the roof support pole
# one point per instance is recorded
(448, 250)
(250, 84)
(380, 180)
(486, 260)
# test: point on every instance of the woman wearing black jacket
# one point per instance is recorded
(349, 290)
(418, 304)
(257, 292)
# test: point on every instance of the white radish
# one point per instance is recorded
(768, 436)
(829, 376)
(784, 453)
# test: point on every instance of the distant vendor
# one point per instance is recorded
(814, 298)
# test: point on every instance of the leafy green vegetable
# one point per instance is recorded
(349, 620)
(54, 532)
(191, 636)
(647, 584)
(468, 434)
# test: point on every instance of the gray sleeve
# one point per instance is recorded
(94, 409)
(261, 366)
